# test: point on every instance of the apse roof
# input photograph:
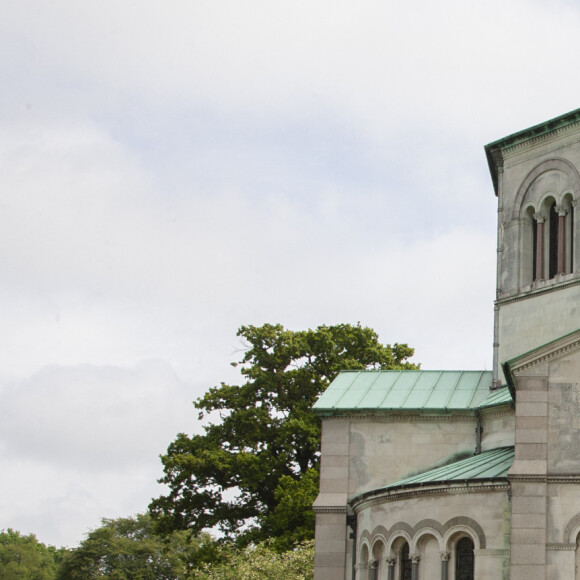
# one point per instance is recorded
(419, 390)
(487, 465)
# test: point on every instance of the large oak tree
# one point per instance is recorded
(254, 473)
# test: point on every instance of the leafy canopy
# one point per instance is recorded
(260, 562)
(254, 473)
(128, 549)
(26, 557)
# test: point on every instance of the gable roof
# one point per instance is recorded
(551, 350)
(409, 390)
(487, 465)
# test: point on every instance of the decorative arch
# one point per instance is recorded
(399, 530)
(427, 531)
(467, 526)
(556, 164)
(547, 231)
(379, 534)
(572, 530)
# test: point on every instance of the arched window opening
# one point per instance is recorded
(553, 241)
(375, 567)
(364, 561)
(534, 249)
(568, 221)
(549, 235)
(464, 559)
(405, 567)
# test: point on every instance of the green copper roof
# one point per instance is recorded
(497, 397)
(383, 390)
(487, 465)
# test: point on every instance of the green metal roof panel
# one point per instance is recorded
(487, 465)
(437, 390)
(498, 397)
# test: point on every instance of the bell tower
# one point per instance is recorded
(536, 177)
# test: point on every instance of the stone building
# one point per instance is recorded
(461, 475)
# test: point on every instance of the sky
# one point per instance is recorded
(170, 171)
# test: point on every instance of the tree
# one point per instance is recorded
(260, 562)
(128, 549)
(262, 439)
(24, 557)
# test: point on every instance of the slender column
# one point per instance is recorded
(373, 570)
(445, 565)
(539, 248)
(561, 241)
(415, 567)
(391, 568)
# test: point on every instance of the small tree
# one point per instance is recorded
(254, 473)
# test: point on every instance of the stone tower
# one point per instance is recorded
(537, 183)
(537, 341)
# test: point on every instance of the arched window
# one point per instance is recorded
(464, 563)
(405, 567)
(550, 238)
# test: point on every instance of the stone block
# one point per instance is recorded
(334, 473)
(531, 396)
(532, 410)
(528, 505)
(527, 520)
(529, 467)
(531, 451)
(531, 383)
(335, 448)
(529, 536)
(531, 436)
(520, 488)
(328, 573)
(333, 560)
(527, 572)
(333, 461)
(333, 485)
(531, 422)
(527, 554)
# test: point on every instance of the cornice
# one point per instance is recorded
(500, 552)
(502, 410)
(329, 510)
(460, 488)
(467, 415)
(561, 547)
(541, 145)
(539, 291)
(544, 355)
(549, 479)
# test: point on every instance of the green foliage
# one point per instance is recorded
(128, 549)
(25, 558)
(254, 471)
(260, 562)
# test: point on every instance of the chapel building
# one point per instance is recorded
(472, 475)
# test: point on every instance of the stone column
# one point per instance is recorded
(561, 241)
(360, 570)
(373, 569)
(415, 567)
(539, 248)
(445, 565)
(391, 568)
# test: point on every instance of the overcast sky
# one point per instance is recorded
(170, 171)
